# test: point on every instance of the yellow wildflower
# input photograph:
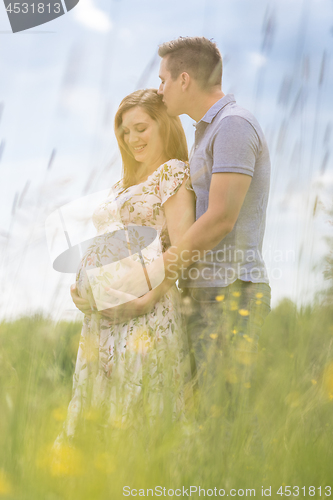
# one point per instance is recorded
(5, 486)
(258, 302)
(61, 460)
(213, 336)
(60, 413)
(236, 294)
(140, 341)
(259, 295)
(243, 312)
(219, 298)
(66, 461)
(89, 348)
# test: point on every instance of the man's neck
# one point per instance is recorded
(203, 102)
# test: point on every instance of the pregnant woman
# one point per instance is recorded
(141, 364)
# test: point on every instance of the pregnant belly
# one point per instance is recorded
(104, 249)
(109, 272)
(82, 282)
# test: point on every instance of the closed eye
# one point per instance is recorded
(140, 128)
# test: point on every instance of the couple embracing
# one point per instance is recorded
(167, 347)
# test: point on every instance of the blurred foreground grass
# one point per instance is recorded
(292, 398)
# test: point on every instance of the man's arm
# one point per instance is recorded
(226, 196)
(234, 150)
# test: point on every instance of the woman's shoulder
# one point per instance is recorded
(114, 190)
(118, 184)
(175, 162)
(172, 175)
(173, 166)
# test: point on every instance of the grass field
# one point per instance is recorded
(292, 398)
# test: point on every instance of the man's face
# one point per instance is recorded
(171, 90)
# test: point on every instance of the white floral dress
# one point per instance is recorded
(143, 362)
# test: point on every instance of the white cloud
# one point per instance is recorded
(258, 60)
(90, 16)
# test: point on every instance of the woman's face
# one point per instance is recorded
(142, 137)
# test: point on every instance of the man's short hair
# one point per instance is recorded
(198, 56)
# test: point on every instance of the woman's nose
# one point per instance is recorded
(133, 138)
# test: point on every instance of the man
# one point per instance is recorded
(227, 291)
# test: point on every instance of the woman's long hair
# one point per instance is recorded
(170, 127)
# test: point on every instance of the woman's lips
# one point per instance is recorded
(138, 149)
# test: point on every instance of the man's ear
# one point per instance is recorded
(185, 80)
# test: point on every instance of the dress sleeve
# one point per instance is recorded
(172, 175)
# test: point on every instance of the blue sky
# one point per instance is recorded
(61, 84)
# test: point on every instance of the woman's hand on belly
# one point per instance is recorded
(82, 304)
(127, 311)
(137, 307)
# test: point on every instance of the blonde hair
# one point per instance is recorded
(170, 127)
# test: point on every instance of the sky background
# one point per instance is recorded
(61, 84)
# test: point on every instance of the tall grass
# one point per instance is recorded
(291, 400)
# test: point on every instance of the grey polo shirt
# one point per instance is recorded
(229, 139)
